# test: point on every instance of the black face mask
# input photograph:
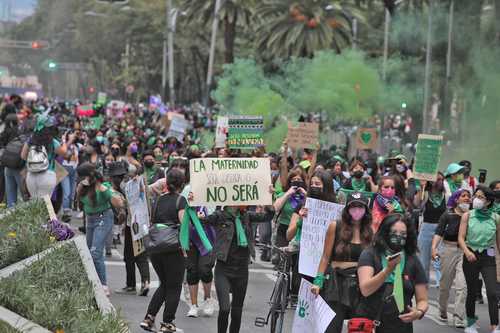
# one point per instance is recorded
(298, 183)
(396, 242)
(115, 152)
(315, 192)
(149, 164)
(358, 174)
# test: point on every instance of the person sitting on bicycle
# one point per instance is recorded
(337, 273)
(233, 247)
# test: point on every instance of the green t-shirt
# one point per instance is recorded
(481, 230)
(286, 211)
(102, 202)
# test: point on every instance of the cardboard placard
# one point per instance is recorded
(178, 126)
(94, 123)
(138, 208)
(366, 138)
(427, 157)
(245, 132)
(221, 132)
(319, 216)
(302, 135)
(230, 181)
(102, 98)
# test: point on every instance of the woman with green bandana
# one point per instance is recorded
(479, 233)
(359, 181)
(454, 180)
(390, 276)
(233, 248)
(40, 153)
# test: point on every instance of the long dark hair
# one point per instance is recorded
(90, 191)
(382, 235)
(327, 180)
(175, 180)
(346, 232)
(181, 163)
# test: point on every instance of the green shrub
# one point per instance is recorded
(6, 328)
(21, 232)
(55, 293)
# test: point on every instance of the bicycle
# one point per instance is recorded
(281, 292)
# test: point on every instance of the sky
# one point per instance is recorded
(20, 8)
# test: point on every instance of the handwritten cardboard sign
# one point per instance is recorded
(366, 138)
(302, 135)
(230, 181)
(427, 157)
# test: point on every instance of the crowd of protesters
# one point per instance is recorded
(392, 229)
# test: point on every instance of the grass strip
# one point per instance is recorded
(6, 328)
(55, 293)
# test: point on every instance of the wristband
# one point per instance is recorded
(319, 280)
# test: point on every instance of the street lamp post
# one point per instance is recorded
(215, 25)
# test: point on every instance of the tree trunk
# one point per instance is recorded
(497, 21)
(229, 37)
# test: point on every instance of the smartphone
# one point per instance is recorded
(393, 256)
(482, 176)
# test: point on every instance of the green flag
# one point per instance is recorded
(398, 288)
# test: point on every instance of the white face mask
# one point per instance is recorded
(478, 203)
(464, 207)
(400, 168)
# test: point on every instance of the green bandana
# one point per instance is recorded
(453, 186)
(496, 207)
(436, 199)
(483, 214)
(242, 238)
(358, 185)
(396, 278)
(191, 217)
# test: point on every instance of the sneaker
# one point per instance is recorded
(471, 329)
(168, 328)
(79, 215)
(144, 289)
(126, 291)
(148, 324)
(208, 307)
(459, 323)
(193, 311)
(109, 253)
(443, 317)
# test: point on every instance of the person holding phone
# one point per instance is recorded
(359, 181)
(390, 276)
(479, 233)
(451, 256)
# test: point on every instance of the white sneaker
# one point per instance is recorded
(209, 307)
(471, 329)
(107, 292)
(193, 311)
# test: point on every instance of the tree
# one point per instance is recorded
(232, 13)
(299, 28)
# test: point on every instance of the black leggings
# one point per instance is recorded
(130, 261)
(230, 279)
(199, 267)
(170, 268)
(485, 265)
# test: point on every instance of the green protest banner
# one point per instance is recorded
(245, 132)
(427, 157)
(230, 181)
(102, 98)
(94, 123)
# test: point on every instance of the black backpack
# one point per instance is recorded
(11, 157)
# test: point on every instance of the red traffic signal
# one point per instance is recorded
(91, 90)
(35, 45)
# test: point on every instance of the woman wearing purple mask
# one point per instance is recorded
(344, 242)
(386, 201)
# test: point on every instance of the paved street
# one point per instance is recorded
(260, 286)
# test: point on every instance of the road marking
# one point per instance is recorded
(115, 253)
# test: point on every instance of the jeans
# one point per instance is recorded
(13, 183)
(130, 261)
(230, 279)
(170, 268)
(68, 185)
(98, 228)
(451, 261)
(485, 265)
(41, 184)
(424, 243)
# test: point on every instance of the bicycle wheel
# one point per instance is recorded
(277, 302)
(284, 302)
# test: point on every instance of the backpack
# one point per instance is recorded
(11, 157)
(38, 159)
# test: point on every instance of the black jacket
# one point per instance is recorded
(224, 223)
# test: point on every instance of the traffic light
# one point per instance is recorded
(91, 90)
(50, 65)
(39, 45)
(403, 105)
(35, 45)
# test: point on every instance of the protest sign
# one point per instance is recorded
(94, 123)
(366, 138)
(178, 126)
(319, 216)
(135, 192)
(302, 135)
(427, 157)
(221, 132)
(230, 181)
(313, 314)
(245, 132)
(102, 98)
